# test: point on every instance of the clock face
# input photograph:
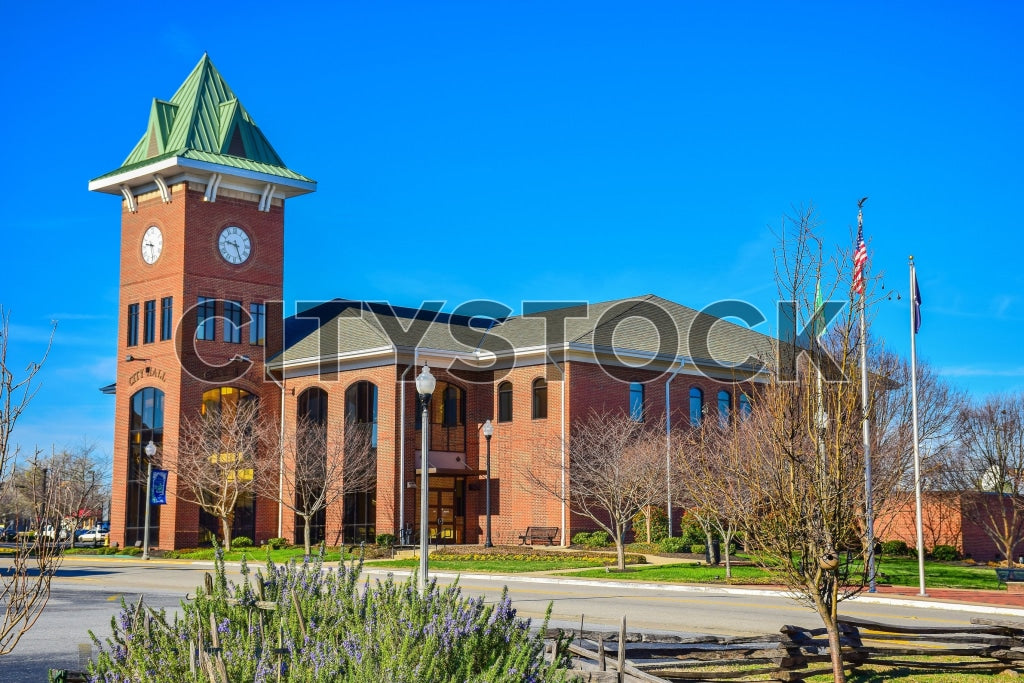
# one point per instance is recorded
(152, 244)
(234, 245)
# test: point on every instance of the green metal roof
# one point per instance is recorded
(205, 121)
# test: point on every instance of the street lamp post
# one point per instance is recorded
(488, 430)
(150, 452)
(425, 383)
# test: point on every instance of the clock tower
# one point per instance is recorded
(201, 269)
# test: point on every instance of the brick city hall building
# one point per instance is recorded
(202, 270)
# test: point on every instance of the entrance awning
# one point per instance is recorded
(447, 463)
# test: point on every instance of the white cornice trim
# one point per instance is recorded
(251, 181)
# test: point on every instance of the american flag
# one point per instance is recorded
(860, 259)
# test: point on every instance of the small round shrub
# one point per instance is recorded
(241, 542)
(674, 545)
(599, 539)
(945, 553)
(895, 548)
(277, 542)
(698, 548)
(580, 538)
(385, 540)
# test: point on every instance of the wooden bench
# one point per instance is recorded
(539, 533)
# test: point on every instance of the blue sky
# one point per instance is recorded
(524, 150)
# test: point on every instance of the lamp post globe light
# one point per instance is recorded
(488, 430)
(150, 451)
(425, 383)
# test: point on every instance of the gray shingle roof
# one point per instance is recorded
(647, 325)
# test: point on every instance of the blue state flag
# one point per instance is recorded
(158, 488)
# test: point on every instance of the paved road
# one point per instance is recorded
(87, 593)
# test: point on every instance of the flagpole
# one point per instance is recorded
(913, 403)
(869, 513)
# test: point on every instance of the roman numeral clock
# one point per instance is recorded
(201, 253)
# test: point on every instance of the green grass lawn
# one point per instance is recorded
(898, 572)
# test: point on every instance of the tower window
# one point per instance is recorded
(206, 312)
(166, 318)
(133, 325)
(257, 324)
(149, 322)
(233, 322)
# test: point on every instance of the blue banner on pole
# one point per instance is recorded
(158, 488)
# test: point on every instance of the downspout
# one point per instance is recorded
(401, 449)
(668, 445)
(280, 465)
(561, 370)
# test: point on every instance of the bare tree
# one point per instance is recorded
(805, 475)
(710, 464)
(892, 450)
(25, 586)
(322, 464)
(987, 469)
(223, 457)
(81, 486)
(615, 470)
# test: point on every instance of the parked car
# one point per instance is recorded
(94, 536)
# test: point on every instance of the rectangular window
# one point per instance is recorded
(233, 322)
(258, 324)
(133, 324)
(636, 402)
(166, 318)
(206, 312)
(149, 322)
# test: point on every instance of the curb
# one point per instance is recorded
(986, 608)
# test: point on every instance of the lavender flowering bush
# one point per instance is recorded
(302, 622)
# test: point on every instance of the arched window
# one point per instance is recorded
(696, 406)
(724, 407)
(359, 518)
(505, 402)
(222, 403)
(146, 424)
(636, 402)
(448, 406)
(312, 406)
(540, 398)
(744, 406)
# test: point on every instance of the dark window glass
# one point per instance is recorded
(166, 318)
(133, 324)
(146, 423)
(149, 322)
(313, 406)
(361, 407)
(696, 406)
(724, 407)
(206, 313)
(233, 322)
(257, 324)
(540, 399)
(636, 402)
(505, 402)
(448, 405)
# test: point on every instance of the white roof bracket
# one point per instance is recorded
(212, 185)
(165, 192)
(268, 193)
(133, 204)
